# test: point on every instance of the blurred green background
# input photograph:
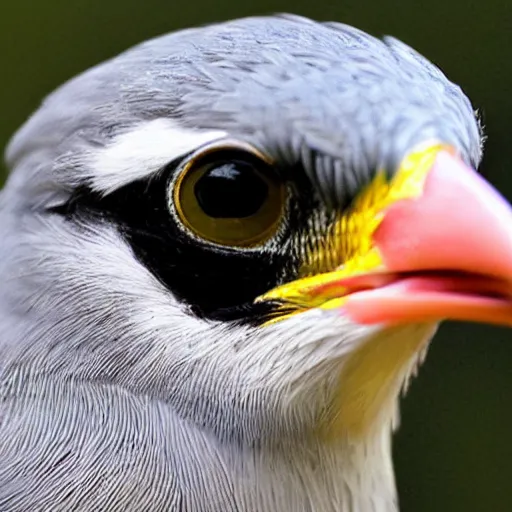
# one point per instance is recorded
(454, 449)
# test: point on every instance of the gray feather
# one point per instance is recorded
(337, 90)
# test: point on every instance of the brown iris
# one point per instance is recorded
(230, 196)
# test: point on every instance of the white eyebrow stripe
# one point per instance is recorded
(144, 151)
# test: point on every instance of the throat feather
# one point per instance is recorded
(371, 380)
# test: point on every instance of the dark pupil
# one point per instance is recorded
(231, 190)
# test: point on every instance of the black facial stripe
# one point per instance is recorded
(216, 283)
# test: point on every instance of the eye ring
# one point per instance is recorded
(229, 194)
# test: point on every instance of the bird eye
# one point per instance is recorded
(230, 197)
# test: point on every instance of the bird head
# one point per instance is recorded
(259, 223)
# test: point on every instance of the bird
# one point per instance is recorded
(223, 256)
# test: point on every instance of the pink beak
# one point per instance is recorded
(449, 253)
